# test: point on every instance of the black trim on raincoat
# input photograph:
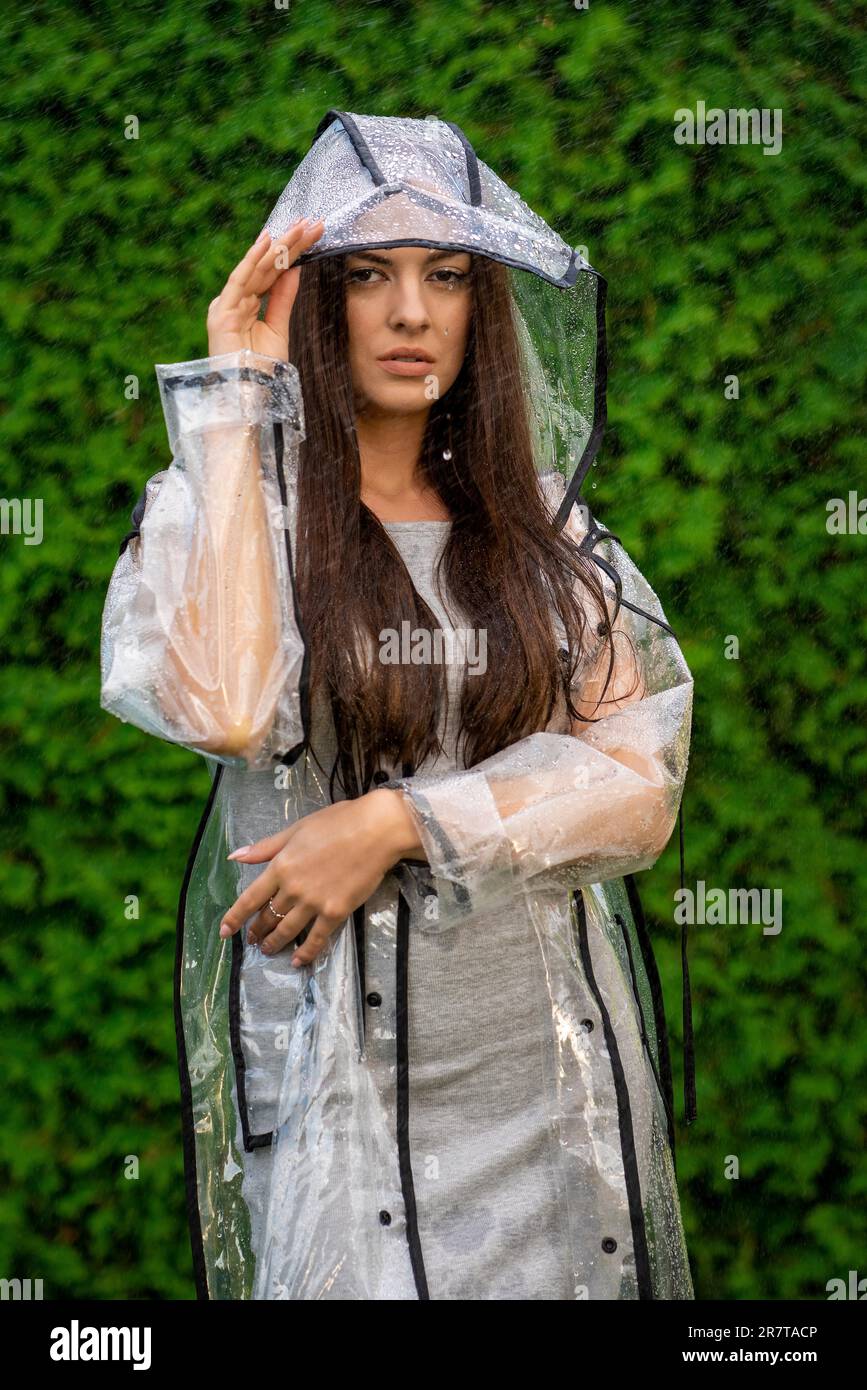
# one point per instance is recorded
(624, 1111)
(403, 1097)
(187, 1122)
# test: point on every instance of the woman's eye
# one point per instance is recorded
(359, 275)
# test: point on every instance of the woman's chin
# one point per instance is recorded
(404, 396)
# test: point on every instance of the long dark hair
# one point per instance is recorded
(503, 563)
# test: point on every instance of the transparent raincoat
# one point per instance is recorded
(298, 1083)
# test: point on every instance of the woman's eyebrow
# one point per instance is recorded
(386, 260)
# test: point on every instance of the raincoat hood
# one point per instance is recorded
(392, 181)
(469, 1092)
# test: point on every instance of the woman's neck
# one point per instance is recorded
(389, 447)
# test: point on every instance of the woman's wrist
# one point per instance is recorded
(395, 823)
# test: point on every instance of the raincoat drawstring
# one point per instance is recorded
(595, 534)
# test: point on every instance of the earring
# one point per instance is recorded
(447, 451)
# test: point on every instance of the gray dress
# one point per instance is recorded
(483, 1151)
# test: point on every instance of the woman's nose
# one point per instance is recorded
(409, 308)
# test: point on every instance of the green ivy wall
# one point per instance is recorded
(721, 261)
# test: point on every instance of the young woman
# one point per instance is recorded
(421, 1047)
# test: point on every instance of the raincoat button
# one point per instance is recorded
(374, 1000)
(385, 1218)
(380, 775)
(609, 1245)
(587, 1025)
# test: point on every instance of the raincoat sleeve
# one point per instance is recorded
(200, 641)
(564, 810)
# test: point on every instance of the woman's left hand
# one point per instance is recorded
(321, 869)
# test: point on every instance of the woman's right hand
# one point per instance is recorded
(233, 317)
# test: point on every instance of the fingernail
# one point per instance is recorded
(296, 960)
(310, 221)
(224, 930)
(262, 237)
(236, 853)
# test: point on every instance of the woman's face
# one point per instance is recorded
(400, 299)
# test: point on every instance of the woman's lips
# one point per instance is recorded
(398, 368)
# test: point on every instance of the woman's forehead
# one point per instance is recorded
(413, 252)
